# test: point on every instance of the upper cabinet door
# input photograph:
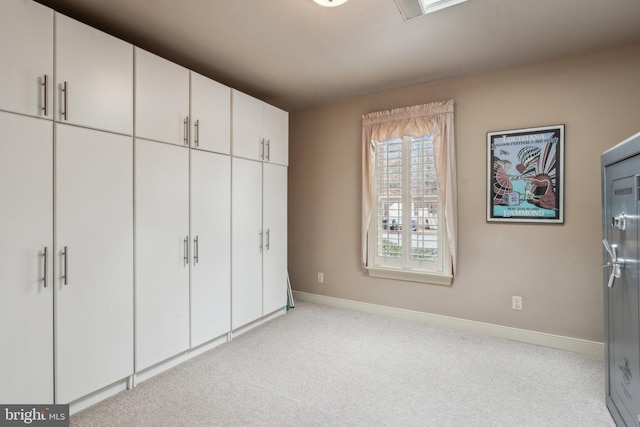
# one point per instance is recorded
(94, 78)
(247, 113)
(26, 48)
(259, 131)
(276, 133)
(210, 115)
(162, 99)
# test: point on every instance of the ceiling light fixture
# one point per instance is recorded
(330, 3)
(414, 8)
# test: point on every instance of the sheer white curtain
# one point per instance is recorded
(428, 119)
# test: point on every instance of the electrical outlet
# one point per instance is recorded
(320, 277)
(516, 303)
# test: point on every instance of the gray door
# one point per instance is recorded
(621, 298)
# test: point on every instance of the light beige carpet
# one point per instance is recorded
(323, 366)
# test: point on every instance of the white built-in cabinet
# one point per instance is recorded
(247, 241)
(210, 246)
(259, 131)
(94, 78)
(26, 44)
(94, 260)
(179, 106)
(87, 276)
(162, 99)
(210, 115)
(259, 239)
(183, 240)
(26, 255)
(117, 249)
(162, 251)
(274, 221)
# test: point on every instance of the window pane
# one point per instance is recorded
(424, 201)
(389, 203)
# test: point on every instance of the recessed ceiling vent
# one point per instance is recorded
(413, 8)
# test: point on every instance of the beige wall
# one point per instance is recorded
(555, 268)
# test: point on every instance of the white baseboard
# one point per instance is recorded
(515, 334)
(254, 324)
(97, 396)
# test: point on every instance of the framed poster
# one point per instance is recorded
(525, 181)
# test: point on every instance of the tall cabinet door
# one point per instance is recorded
(274, 197)
(210, 115)
(211, 246)
(26, 232)
(94, 77)
(162, 99)
(247, 241)
(26, 48)
(162, 251)
(94, 259)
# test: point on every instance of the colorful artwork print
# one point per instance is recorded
(525, 182)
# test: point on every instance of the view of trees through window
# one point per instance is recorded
(407, 200)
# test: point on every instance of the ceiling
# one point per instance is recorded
(296, 54)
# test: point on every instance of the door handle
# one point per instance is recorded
(186, 251)
(268, 240)
(45, 85)
(65, 276)
(268, 150)
(65, 91)
(196, 250)
(186, 130)
(44, 276)
(617, 263)
(196, 137)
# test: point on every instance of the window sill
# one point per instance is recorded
(411, 275)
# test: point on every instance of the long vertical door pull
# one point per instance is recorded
(196, 137)
(186, 131)
(261, 242)
(65, 91)
(186, 251)
(44, 276)
(45, 109)
(65, 276)
(196, 251)
(267, 240)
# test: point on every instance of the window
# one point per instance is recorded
(406, 232)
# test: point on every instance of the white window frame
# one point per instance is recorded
(436, 271)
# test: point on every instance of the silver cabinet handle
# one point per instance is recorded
(261, 242)
(268, 149)
(196, 250)
(196, 138)
(261, 149)
(186, 251)
(268, 239)
(44, 276)
(617, 263)
(65, 276)
(65, 91)
(45, 85)
(186, 131)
